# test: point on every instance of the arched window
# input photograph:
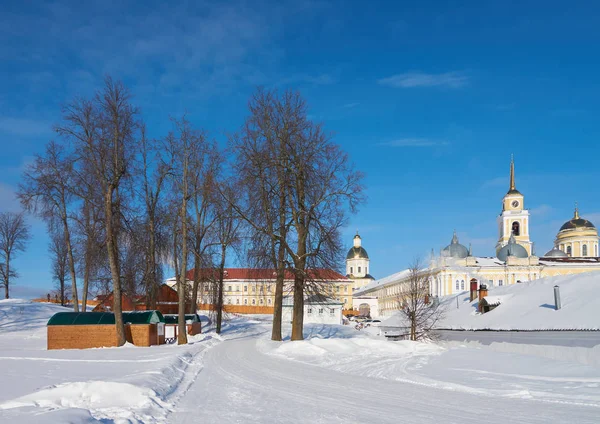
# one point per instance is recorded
(457, 285)
(254, 301)
(584, 250)
(245, 301)
(269, 301)
(351, 270)
(516, 228)
(569, 250)
(237, 301)
(462, 284)
(260, 301)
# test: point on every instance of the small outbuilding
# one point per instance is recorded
(318, 309)
(84, 330)
(192, 322)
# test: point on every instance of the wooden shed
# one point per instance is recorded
(84, 330)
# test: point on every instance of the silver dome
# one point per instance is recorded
(512, 249)
(556, 253)
(455, 249)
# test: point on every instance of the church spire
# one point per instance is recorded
(512, 173)
(576, 216)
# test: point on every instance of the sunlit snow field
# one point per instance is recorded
(338, 374)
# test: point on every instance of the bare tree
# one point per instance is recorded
(227, 226)
(59, 256)
(186, 148)
(416, 305)
(47, 190)
(204, 174)
(317, 181)
(104, 131)
(14, 235)
(155, 171)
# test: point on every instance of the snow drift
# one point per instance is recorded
(530, 306)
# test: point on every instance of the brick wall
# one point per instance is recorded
(90, 336)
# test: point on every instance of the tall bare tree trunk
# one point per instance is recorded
(182, 283)
(220, 288)
(197, 265)
(71, 265)
(113, 259)
(7, 282)
(278, 304)
(298, 310)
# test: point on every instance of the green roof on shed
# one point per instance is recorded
(173, 318)
(104, 318)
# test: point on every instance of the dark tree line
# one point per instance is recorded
(122, 206)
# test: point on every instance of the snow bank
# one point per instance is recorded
(117, 401)
(530, 306)
(128, 384)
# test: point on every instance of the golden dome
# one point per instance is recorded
(576, 222)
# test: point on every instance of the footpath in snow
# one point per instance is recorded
(336, 375)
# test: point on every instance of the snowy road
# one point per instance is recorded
(240, 384)
(549, 338)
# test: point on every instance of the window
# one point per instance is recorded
(584, 250)
(253, 289)
(490, 283)
(269, 288)
(229, 301)
(345, 300)
(254, 301)
(337, 288)
(237, 288)
(500, 282)
(237, 301)
(320, 311)
(462, 284)
(229, 288)
(569, 250)
(262, 289)
(359, 270)
(245, 288)
(516, 228)
(309, 311)
(351, 270)
(269, 301)
(457, 285)
(245, 301)
(331, 311)
(260, 301)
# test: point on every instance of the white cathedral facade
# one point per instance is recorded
(456, 268)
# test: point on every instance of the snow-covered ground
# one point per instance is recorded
(128, 384)
(530, 306)
(337, 375)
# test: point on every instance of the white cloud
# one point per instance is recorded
(421, 79)
(24, 127)
(8, 199)
(541, 210)
(415, 142)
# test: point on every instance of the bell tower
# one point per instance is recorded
(514, 219)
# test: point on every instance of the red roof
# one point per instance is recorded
(266, 274)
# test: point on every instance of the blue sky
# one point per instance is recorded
(430, 98)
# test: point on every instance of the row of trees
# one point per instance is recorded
(119, 205)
